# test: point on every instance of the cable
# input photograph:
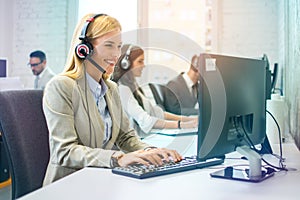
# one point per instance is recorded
(277, 89)
(279, 132)
(235, 122)
(247, 136)
(87, 104)
(282, 166)
(281, 159)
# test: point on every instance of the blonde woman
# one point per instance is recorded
(83, 110)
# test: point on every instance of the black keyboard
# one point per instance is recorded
(142, 171)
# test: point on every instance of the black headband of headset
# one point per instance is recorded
(86, 26)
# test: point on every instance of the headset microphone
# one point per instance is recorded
(88, 57)
(96, 64)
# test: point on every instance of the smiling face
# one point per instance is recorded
(107, 50)
(138, 65)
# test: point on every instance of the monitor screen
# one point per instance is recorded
(3, 67)
(232, 102)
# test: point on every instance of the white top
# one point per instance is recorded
(44, 77)
(188, 81)
(99, 90)
(142, 120)
(190, 84)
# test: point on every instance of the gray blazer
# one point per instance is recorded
(77, 130)
(178, 99)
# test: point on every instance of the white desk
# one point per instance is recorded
(11, 83)
(97, 183)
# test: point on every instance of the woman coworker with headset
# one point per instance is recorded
(143, 115)
(86, 122)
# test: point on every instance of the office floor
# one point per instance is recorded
(5, 193)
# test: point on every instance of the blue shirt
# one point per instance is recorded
(99, 90)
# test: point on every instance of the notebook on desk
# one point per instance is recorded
(175, 132)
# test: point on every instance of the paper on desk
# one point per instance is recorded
(174, 132)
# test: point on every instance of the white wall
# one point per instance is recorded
(248, 28)
(292, 44)
(124, 11)
(35, 24)
(6, 30)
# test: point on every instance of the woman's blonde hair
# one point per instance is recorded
(97, 28)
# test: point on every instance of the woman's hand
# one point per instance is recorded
(155, 156)
(189, 118)
(189, 124)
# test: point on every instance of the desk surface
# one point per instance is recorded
(97, 183)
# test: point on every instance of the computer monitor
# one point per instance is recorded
(232, 111)
(268, 77)
(3, 67)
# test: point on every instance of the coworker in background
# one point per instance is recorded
(143, 114)
(37, 63)
(86, 122)
(181, 93)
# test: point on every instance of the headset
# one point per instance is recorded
(125, 62)
(85, 48)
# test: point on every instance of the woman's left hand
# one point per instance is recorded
(154, 156)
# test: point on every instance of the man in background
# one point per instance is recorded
(181, 93)
(37, 63)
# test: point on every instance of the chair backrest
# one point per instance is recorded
(25, 136)
(158, 94)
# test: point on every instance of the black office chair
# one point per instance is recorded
(158, 94)
(4, 170)
(25, 136)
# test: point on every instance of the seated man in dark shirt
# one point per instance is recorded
(180, 95)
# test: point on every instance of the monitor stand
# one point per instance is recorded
(253, 174)
(266, 147)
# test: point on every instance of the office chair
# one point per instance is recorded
(25, 136)
(158, 94)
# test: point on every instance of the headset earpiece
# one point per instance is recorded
(125, 62)
(85, 48)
